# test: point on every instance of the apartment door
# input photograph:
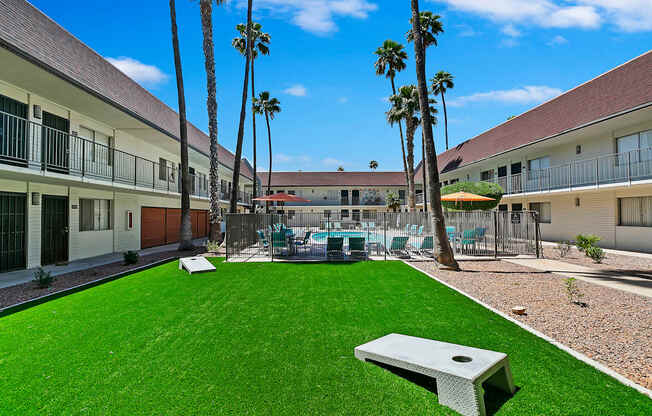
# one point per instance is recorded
(12, 231)
(54, 229)
(355, 197)
(55, 142)
(13, 131)
(344, 197)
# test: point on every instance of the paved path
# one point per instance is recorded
(633, 284)
(612, 251)
(21, 276)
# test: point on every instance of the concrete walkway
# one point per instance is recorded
(640, 254)
(21, 276)
(633, 284)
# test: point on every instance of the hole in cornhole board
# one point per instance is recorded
(462, 359)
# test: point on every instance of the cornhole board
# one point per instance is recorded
(196, 264)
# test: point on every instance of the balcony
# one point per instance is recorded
(627, 167)
(30, 145)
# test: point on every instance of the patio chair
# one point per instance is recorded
(398, 247)
(372, 225)
(427, 246)
(280, 242)
(468, 239)
(364, 225)
(262, 240)
(357, 247)
(420, 230)
(334, 247)
(413, 229)
(450, 230)
(407, 228)
(305, 242)
(480, 233)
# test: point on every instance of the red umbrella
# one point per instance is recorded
(281, 197)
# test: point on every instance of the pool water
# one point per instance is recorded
(369, 236)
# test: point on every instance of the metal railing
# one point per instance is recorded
(384, 235)
(28, 144)
(623, 167)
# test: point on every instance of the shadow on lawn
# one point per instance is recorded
(493, 397)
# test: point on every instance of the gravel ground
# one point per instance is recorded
(26, 291)
(615, 328)
(615, 262)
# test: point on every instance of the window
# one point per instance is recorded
(502, 207)
(487, 175)
(94, 214)
(291, 193)
(345, 213)
(401, 195)
(366, 214)
(539, 163)
(97, 145)
(327, 212)
(517, 207)
(162, 169)
(356, 215)
(636, 212)
(638, 141)
(454, 181)
(544, 211)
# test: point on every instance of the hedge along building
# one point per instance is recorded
(583, 160)
(88, 158)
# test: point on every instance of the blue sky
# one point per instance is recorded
(506, 55)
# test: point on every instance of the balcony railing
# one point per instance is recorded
(624, 167)
(28, 144)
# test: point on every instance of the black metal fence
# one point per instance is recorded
(320, 236)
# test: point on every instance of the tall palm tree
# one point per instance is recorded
(444, 253)
(373, 165)
(441, 82)
(268, 106)
(259, 40)
(405, 107)
(392, 201)
(423, 172)
(430, 27)
(185, 233)
(391, 59)
(206, 11)
(233, 203)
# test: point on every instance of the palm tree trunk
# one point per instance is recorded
(233, 205)
(410, 128)
(443, 101)
(206, 9)
(400, 129)
(443, 251)
(185, 237)
(423, 171)
(269, 172)
(253, 122)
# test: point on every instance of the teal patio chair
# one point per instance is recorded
(305, 242)
(335, 247)
(468, 239)
(364, 225)
(427, 246)
(357, 247)
(280, 242)
(398, 247)
(262, 240)
(420, 230)
(413, 229)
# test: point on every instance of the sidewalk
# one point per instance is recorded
(606, 278)
(612, 251)
(21, 276)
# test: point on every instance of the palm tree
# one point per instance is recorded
(340, 168)
(373, 165)
(206, 11)
(268, 106)
(423, 171)
(441, 82)
(430, 28)
(444, 253)
(185, 232)
(391, 59)
(405, 106)
(392, 201)
(233, 203)
(259, 40)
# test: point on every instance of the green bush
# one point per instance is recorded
(42, 278)
(595, 253)
(585, 241)
(131, 257)
(491, 190)
(212, 246)
(573, 292)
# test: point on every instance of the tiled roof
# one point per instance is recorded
(623, 88)
(334, 178)
(27, 31)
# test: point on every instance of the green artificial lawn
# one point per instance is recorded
(261, 338)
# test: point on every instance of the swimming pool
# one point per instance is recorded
(370, 237)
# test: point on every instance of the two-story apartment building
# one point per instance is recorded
(89, 160)
(583, 160)
(348, 195)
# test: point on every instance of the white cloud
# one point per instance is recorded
(625, 15)
(510, 30)
(557, 40)
(343, 100)
(509, 43)
(138, 71)
(526, 95)
(466, 30)
(331, 161)
(297, 90)
(294, 159)
(315, 16)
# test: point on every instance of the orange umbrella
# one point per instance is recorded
(281, 197)
(465, 197)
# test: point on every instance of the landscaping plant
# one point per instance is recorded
(573, 292)
(131, 257)
(563, 247)
(585, 241)
(595, 253)
(43, 278)
(212, 246)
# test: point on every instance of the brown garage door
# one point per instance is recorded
(161, 225)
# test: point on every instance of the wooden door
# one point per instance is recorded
(172, 225)
(152, 227)
(54, 229)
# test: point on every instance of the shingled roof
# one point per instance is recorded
(623, 88)
(28, 32)
(334, 178)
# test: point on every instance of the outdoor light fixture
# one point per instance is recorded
(37, 112)
(130, 220)
(577, 202)
(578, 149)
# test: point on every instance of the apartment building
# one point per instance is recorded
(89, 160)
(583, 160)
(351, 196)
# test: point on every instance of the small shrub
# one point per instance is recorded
(584, 241)
(595, 253)
(212, 246)
(563, 247)
(42, 278)
(131, 257)
(573, 292)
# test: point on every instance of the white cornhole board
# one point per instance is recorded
(195, 264)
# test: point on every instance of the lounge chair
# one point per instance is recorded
(450, 230)
(280, 242)
(398, 247)
(357, 247)
(420, 230)
(468, 239)
(427, 246)
(334, 247)
(305, 242)
(262, 240)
